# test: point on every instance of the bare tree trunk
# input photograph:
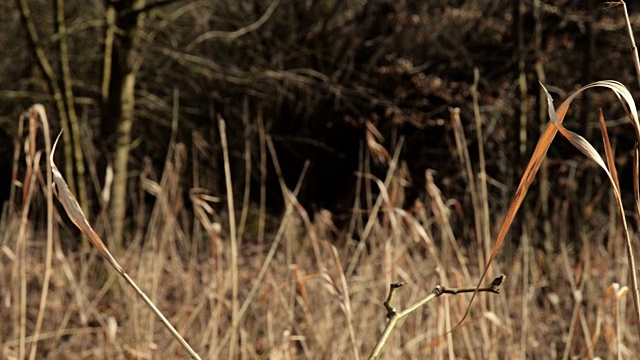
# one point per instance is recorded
(63, 97)
(585, 104)
(52, 82)
(122, 60)
(587, 69)
(543, 118)
(523, 92)
(69, 101)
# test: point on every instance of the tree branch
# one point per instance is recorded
(394, 316)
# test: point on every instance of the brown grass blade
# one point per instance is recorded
(30, 152)
(38, 111)
(610, 293)
(77, 216)
(608, 150)
(555, 125)
(587, 149)
(636, 187)
(75, 213)
(379, 154)
(21, 250)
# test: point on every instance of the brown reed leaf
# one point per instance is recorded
(540, 151)
(71, 206)
(75, 213)
(379, 154)
(610, 293)
(30, 152)
(607, 149)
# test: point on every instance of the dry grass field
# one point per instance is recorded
(240, 283)
(295, 286)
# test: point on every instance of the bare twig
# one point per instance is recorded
(394, 316)
(230, 35)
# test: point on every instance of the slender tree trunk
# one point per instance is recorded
(543, 118)
(585, 109)
(120, 73)
(523, 92)
(587, 69)
(70, 106)
(62, 91)
(52, 82)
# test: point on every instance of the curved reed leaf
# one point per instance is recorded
(555, 124)
(75, 213)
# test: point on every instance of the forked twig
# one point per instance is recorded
(76, 215)
(394, 315)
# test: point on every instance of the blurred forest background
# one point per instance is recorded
(337, 87)
(313, 74)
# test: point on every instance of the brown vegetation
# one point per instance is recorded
(266, 169)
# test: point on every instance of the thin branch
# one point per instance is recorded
(147, 8)
(215, 34)
(394, 316)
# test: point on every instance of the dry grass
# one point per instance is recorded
(308, 290)
(304, 295)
